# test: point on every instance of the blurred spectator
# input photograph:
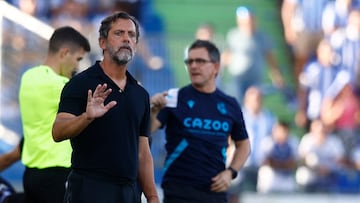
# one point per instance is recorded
(132, 7)
(249, 52)
(349, 179)
(346, 43)
(321, 154)
(336, 14)
(319, 79)
(280, 161)
(74, 13)
(8, 194)
(6, 191)
(302, 22)
(342, 114)
(207, 31)
(37, 8)
(100, 8)
(9, 158)
(20, 38)
(259, 122)
(355, 157)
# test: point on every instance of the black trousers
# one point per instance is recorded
(45, 185)
(174, 193)
(86, 189)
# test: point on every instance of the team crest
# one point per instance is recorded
(221, 108)
(191, 104)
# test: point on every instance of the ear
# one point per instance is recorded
(217, 68)
(64, 51)
(102, 43)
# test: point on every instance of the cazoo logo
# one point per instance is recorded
(206, 124)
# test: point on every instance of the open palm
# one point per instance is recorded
(95, 103)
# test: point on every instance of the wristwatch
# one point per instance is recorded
(234, 173)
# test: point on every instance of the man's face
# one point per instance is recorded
(120, 44)
(201, 69)
(71, 62)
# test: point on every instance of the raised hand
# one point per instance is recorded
(158, 101)
(95, 102)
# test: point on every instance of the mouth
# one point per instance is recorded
(125, 47)
(194, 74)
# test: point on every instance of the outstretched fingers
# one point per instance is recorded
(95, 104)
(101, 91)
(110, 105)
(89, 97)
(106, 93)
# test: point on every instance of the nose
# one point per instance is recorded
(126, 37)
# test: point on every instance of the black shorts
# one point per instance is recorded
(84, 189)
